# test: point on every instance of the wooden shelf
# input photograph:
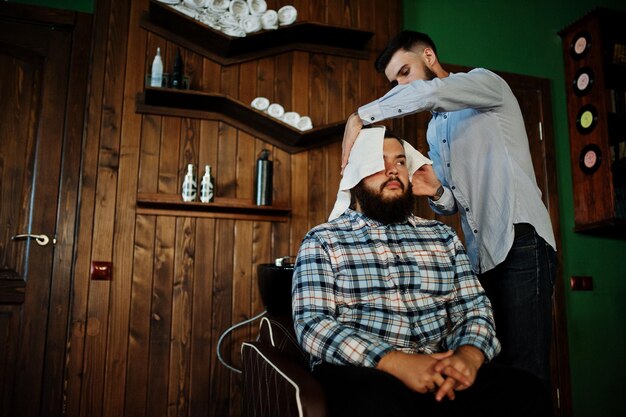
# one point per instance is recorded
(213, 106)
(223, 208)
(226, 50)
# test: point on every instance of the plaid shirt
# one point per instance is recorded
(362, 289)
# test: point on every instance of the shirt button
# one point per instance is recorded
(448, 164)
(467, 209)
(444, 141)
(453, 187)
(475, 230)
(399, 110)
(372, 118)
(445, 116)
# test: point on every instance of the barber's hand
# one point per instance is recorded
(416, 371)
(459, 369)
(424, 181)
(352, 130)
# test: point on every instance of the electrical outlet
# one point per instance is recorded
(581, 283)
(101, 270)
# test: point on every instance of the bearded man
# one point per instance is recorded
(388, 308)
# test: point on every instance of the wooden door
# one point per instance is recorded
(533, 95)
(35, 58)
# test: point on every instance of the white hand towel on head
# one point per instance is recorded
(366, 158)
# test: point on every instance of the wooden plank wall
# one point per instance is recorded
(144, 344)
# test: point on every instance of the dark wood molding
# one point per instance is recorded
(214, 106)
(226, 50)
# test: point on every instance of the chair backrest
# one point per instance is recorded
(278, 331)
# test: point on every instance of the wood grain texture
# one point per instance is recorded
(144, 344)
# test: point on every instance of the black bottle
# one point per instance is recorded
(263, 184)
(177, 75)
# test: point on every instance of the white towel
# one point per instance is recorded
(366, 158)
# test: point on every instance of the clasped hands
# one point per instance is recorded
(442, 373)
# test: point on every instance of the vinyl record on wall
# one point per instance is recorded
(590, 158)
(583, 81)
(581, 43)
(587, 118)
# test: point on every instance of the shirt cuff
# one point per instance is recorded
(445, 201)
(371, 113)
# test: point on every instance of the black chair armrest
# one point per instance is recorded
(287, 390)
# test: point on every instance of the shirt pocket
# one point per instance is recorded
(437, 274)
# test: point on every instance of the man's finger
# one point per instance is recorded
(456, 374)
(442, 355)
(439, 381)
(445, 389)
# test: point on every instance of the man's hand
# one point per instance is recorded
(425, 182)
(417, 371)
(459, 369)
(353, 128)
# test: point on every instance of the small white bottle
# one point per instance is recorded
(190, 186)
(156, 78)
(206, 186)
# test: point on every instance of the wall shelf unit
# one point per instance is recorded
(226, 50)
(222, 208)
(594, 49)
(213, 106)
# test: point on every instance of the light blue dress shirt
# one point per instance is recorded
(480, 151)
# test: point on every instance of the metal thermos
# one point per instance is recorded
(263, 184)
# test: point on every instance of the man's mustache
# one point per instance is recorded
(392, 179)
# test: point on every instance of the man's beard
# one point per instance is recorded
(384, 209)
(430, 75)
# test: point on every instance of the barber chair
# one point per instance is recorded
(276, 377)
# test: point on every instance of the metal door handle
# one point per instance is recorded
(42, 240)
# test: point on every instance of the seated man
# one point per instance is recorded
(389, 309)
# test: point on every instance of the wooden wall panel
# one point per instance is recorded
(145, 344)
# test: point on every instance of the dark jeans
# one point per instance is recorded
(498, 391)
(520, 290)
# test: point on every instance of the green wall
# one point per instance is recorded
(522, 37)
(85, 6)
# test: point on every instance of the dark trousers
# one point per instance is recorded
(498, 391)
(520, 290)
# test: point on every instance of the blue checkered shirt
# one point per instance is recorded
(362, 289)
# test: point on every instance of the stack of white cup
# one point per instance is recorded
(236, 18)
(277, 111)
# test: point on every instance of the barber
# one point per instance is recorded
(482, 168)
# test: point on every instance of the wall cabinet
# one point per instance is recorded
(595, 71)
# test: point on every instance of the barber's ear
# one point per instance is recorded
(430, 57)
